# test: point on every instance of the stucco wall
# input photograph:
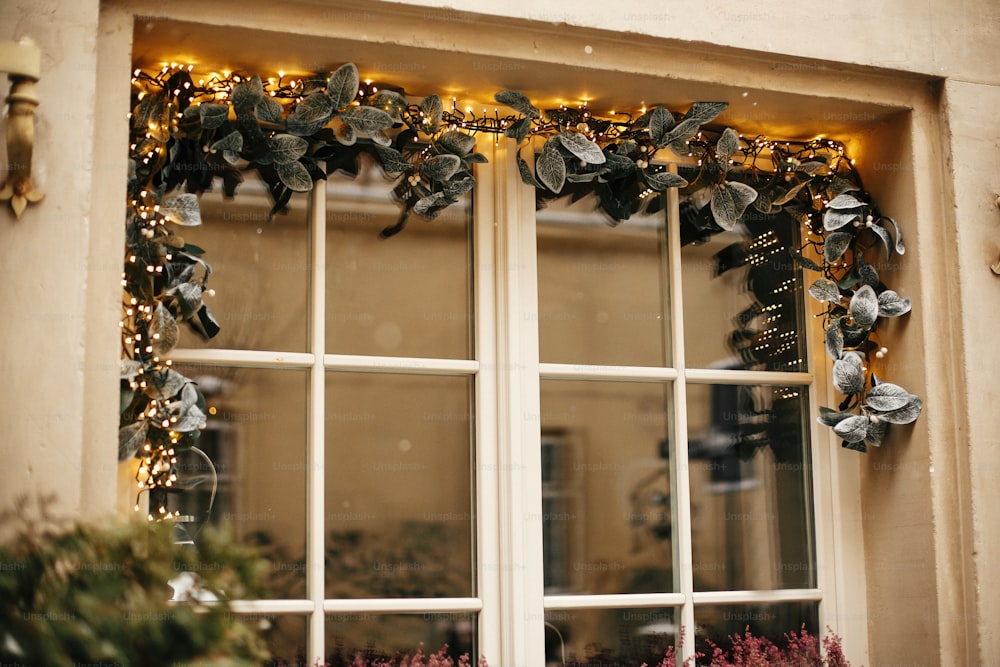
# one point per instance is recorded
(974, 141)
(46, 267)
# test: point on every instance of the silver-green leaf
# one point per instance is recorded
(869, 276)
(729, 201)
(247, 94)
(294, 176)
(705, 112)
(231, 143)
(190, 418)
(269, 110)
(727, 146)
(887, 397)
(852, 429)
(891, 305)
(518, 102)
(835, 245)
(390, 102)
(876, 432)
(345, 134)
(163, 330)
(864, 306)
(433, 110)
(579, 145)
(526, 176)
(182, 210)
(883, 234)
(660, 122)
(904, 415)
(828, 417)
(456, 143)
(212, 116)
(835, 219)
(366, 119)
(130, 438)
(663, 180)
(163, 384)
(900, 248)
(392, 160)
(848, 374)
(317, 108)
(550, 168)
(677, 137)
(441, 167)
(845, 202)
(824, 289)
(834, 340)
(790, 194)
(428, 204)
(287, 148)
(343, 86)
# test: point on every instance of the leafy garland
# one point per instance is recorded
(185, 135)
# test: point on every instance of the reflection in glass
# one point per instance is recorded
(384, 636)
(285, 637)
(601, 290)
(606, 518)
(718, 622)
(256, 439)
(611, 637)
(260, 270)
(398, 486)
(408, 295)
(742, 293)
(751, 500)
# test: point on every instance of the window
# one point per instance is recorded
(514, 433)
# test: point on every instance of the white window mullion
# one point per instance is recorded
(519, 439)
(403, 605)
(680, 483)
(486, 456)
(316, 433)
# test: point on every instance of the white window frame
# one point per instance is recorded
(510, 597)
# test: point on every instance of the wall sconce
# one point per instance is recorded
(23, 63)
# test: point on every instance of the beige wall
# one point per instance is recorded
(928, 493)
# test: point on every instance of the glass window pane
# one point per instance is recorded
(610, 637)
(260, 270)
(387, 636)
(285, 637)
(256, 439)
(408, 295)
(601, 289)
(718, 623)
(742, 294)
(751, 497)
(399, 509)
(606, 518)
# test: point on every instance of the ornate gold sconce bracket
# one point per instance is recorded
(23, 63)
